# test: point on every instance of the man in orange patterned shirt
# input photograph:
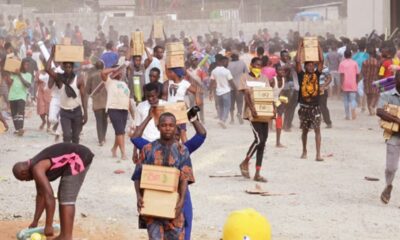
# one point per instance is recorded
(309, 112)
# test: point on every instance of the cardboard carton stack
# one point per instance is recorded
(175, 55)
(310, 53)
(179, 110)
(137, 43)
(390, 127)
(160, 195)
(68, 53)
(158, 29)
(263, 98)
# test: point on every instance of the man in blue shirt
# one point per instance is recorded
(192, 145)
(109, 57)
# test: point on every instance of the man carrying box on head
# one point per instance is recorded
(309, 112)
(72, 101)
(169, 153)
(393, 144)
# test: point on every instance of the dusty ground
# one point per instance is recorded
(333, 200)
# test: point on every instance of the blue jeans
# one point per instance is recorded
(224, 106)
(188, 214)
(349, 100)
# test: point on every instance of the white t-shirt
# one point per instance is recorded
(177, 91)
(151, 132)
(156, 63)
(117, 94)
(222, 76)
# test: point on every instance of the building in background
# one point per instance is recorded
(117, 8)
(326, 11)
(363, 16)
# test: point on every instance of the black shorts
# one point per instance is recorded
(310, 117)
(70, 186)
(118, 119)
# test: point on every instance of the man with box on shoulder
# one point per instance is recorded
(167, 152)
(250, 80)
(393, 144)
(72, 99)
(309, 98)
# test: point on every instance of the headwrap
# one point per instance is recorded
(179, 71)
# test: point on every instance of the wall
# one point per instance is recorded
(229, 28)
(374, 14)
(88, 23)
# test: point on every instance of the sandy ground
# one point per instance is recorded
(332, 201)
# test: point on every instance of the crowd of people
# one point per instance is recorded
(221, 69)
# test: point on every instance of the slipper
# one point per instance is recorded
(245, 172)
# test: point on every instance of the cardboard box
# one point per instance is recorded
(137, 37)
(263, 94)
(159, 204)
(175, 61)
(311, 52)
(160, 178)
(137, 49)
(179, 110)
(66, 41)
(68, 53)
(175, 47)
(265, 111)
(158, 29)
(12, 64)
(392, 127)
(392, 109)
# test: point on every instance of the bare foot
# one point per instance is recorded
(319, 159)
(280, 146)
(244, 169)
(259, 178)
(21, 132)
(114, 152)
(124, 157)
(304, 155)
(42, 126)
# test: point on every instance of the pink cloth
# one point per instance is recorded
(75, 162)
(349, 68)
(268, 72)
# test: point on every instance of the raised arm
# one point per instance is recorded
(321, 59)
(140, 129)
(48, 67)
(106, 72)
(165, 35)
(298, 56)
(165, 91)
(149, 59)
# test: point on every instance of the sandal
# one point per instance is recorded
(260, 179)
(245, 172)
